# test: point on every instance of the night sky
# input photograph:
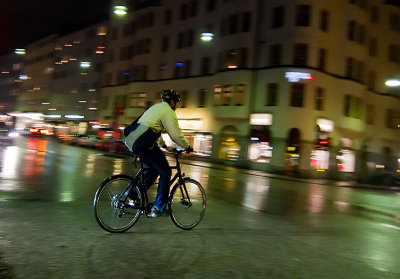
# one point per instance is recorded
(25, 21)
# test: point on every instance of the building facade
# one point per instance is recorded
(282, 86)
(78, 59)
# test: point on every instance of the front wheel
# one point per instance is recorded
(188, 204)
(109, 204)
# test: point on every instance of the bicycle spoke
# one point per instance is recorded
(188, 204)
(111, 213)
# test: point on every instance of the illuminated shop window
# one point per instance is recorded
(229, 149)
(260, 150)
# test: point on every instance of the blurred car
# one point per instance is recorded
(86, 140)
(112, 146)
(40, 131)
(7, 136)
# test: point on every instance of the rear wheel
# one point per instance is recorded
(188, 204)
(111, 211)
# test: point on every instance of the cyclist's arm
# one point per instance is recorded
(171, 125)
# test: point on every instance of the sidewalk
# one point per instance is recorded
(350, 183)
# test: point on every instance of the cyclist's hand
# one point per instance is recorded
(189, 150)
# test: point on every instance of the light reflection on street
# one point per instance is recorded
(316, 198)
(118, 164)
(255, 195)
(9, 159)
(91, 159)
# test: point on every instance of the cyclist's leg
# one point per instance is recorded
(156, 160)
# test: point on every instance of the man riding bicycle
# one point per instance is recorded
(141, 138)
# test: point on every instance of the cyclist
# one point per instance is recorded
(143, 136)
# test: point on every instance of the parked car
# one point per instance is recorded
(86, 140)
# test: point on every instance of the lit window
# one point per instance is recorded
(217, 95)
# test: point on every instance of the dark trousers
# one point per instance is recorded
(155, 159)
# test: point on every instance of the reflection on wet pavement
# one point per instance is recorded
(45, 169)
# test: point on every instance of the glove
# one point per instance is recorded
(189, 150)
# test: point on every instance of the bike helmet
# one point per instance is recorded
(168, 95)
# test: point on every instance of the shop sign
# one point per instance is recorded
(325, 125)
(297, 76)
(263, 119)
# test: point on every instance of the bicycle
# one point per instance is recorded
(186, 201)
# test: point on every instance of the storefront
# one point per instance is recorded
(260, 149)
(320, 154)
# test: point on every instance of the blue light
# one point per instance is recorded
(254, 138)
(179, 64)
(126, 73)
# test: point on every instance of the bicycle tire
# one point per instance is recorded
(109, 210)
(184, 215)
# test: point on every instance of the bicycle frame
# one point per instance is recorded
(140, 176)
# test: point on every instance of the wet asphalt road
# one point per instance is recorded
(256, 226)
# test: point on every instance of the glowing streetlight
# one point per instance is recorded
(207, 36)
(120, 10)
(20, 51)
(392, 83)
(85, 64)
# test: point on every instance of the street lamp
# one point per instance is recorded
(392, 83)
(207, 36)
(20, 51)
(120, 10)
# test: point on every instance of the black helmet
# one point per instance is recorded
(168, 95)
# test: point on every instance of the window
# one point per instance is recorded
(179, 40)
(374, 14)
(278, 17)
(164, 44)
(168, 17)
(246, 21)
(184, 8)
(319, 99)
(205, 65)
(346, 105)
(370, 114)
(193, 8)
(227, 95)
(373, 47)
(243, 57)
(137, 100)
(231, 59)
(190, 38)
(297, 95)
(272, 94)
(300, 54)
(394, 22)
(211, 5)
(188, 68)
(111, 56)
(303, 15)
(178, 69)
(321, 59)
(202, 97)
(184, 96)
(351, 26)
(275, 55)
(393, 54)
(324, 21)
(233, 24)
(114, 33)
(349, 67)
(217, 95)
(390, 117)
(239, 94)
(371, 80)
